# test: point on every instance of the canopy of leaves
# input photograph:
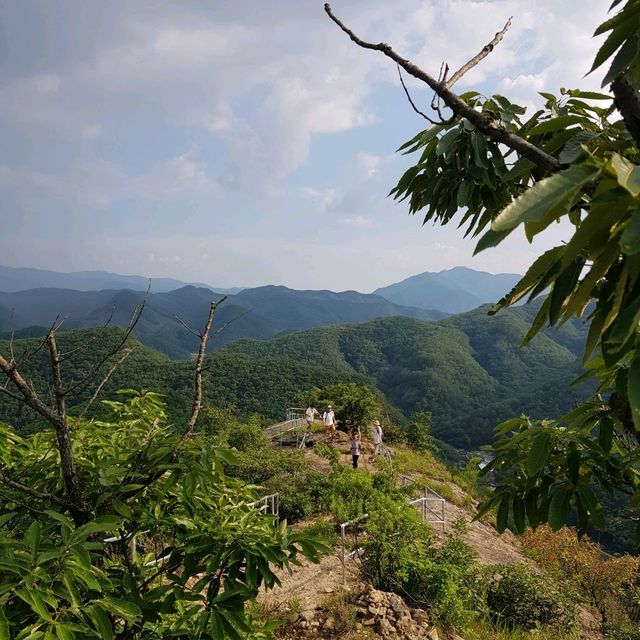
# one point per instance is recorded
(171, 546)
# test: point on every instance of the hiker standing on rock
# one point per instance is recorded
(329, 422)
(376, 434)
(355, 445)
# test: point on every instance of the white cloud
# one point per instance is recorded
(357, 221)
(323, 198)
(368, 163)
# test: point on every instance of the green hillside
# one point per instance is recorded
(468, 370)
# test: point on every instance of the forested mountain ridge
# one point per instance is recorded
(468, 370)
(258, 313)
(454, 290)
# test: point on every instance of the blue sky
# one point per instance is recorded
(248, 142)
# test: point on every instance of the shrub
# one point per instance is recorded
(418, 431)
(301, 496)
(518, 597)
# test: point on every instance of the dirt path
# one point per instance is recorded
(309, 583)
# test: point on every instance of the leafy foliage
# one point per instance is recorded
(607, 584)
(200, 553)
(518, 597)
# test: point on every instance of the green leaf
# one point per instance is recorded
(628, 174)
(537, 323)
(447, 141)
(605, 434)
(539, 453)
(503, 514)
(4, 625)
(555, 124)
(559, 508)
(573, 465)
(630, 239)
(633, 389)
(64, 632)
(623, 59)
(62, 519)
(624, 326)
(490, 239)
(574, 148)
(34, 534)
(100, 621)
(518, 514)
(36, 602)
(549, 193)
(122, 608)
(563, 287)
(612, 44)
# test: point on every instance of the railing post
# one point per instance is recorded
(344, 550)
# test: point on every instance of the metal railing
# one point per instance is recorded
(431, 504)
(295, 426)
(269, 505)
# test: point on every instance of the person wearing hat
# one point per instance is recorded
(329, 422)
(376, 434)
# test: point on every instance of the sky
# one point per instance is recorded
(246, 142)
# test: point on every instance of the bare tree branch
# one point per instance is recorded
(234, 319)
(46, 497)
(489, 127)
(27, 356)
(486, 50)
(187, 327)
(404, 86)
(135, 317)
(13, 333)
(6, 391)
(125, 354)
(197, 395)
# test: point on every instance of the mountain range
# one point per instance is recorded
(453, 291)
(258, 313)
(468, 370)
(254, 313)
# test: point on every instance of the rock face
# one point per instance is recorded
(385, 614)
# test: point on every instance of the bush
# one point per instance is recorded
(517, 597)
(418, 431)
(301, 496)
(247, 437)
(399, 557)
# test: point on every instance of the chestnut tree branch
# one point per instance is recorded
(492, 129)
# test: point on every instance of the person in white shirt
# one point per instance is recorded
(376, 434)
(329, 422)
(310, 415)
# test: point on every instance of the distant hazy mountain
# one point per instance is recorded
(453, 291)
(258, 313)
(18, 279)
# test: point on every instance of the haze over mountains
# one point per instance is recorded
(20, 278)
(256, 313)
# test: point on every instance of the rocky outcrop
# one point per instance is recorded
(386, 615)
